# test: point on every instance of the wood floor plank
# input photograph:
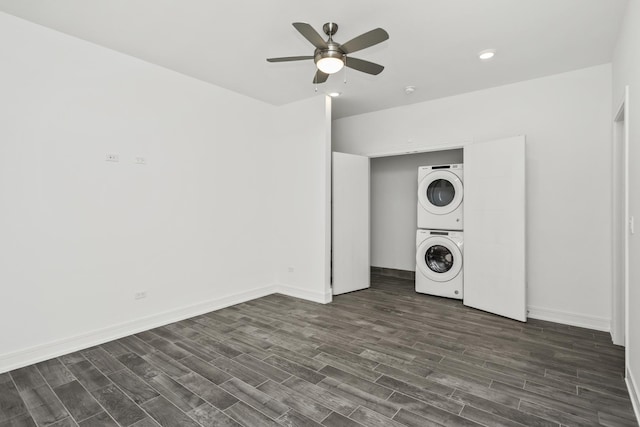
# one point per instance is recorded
(419, 393)
(147, 422)
(136, 345)
(265, 369)
(67, 422)
(166, 364)
(207, 415)
(166, 333)
(206, 370)
(348, 366)
(11, 404)
(166, 414)
(374, 389)
(54, 372)
(296, 419)
(175, 392)
(298, 358)
(44, 405)
(248, 416)
(100, 420)
(298, 401)
(359, 397)
(429, 412)
(168, 348)
(27, 378)
(24, 420)
(115, 348)
(197, 351)
(247, 347)
(557, 415)
(583, 411)
(409, 366)
(87, 375)
(370, 418)
(238, 370)
(337, 420)
(332, 401)
(104, 361)
(255, 398)
(487, 418)
(133, 386)
(139, 366)
(418, 381)
(207, 390)
(80, 404)
(118, 405)
(611, 420)
(503, 411)
(217, 346)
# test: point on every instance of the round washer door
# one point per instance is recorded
(440, 192)
(439, 259)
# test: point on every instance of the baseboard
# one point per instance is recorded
(57, 348)
(567, 318)
(319, 297)
(394, 272)
(634, 393)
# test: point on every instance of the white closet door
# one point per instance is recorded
(494, 227)
(350, 223)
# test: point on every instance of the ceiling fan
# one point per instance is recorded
(330, 56)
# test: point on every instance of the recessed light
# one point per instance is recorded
(486, 54)
(334, 94)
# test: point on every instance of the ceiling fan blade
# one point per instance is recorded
(364, 66)
(320, 77)
(365, 40)
(289, 58)
(310, 34)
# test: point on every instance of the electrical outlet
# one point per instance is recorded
(112, 158)
(140, 161)
(140, 295)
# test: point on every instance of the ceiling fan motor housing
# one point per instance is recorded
(332, 51)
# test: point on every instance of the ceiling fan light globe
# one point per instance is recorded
(330, 65)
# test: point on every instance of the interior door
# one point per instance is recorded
(494, 227)
(350, 223)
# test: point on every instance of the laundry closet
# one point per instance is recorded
(455, 217)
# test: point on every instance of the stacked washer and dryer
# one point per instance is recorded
(439, 239)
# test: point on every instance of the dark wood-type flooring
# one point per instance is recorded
(385, 356)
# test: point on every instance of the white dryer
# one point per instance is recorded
(440, 194)
(439, 263)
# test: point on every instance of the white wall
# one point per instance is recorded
(566, 119)
(195, 227)
(626, 71)
(302, 210)
(394, 200)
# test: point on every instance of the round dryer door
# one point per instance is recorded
(440, 192)
(439, 259)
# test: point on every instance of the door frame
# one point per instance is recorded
(620, 208)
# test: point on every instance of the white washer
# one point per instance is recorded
(440, 194)
(439, 263)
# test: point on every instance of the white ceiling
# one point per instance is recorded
(433, 44)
